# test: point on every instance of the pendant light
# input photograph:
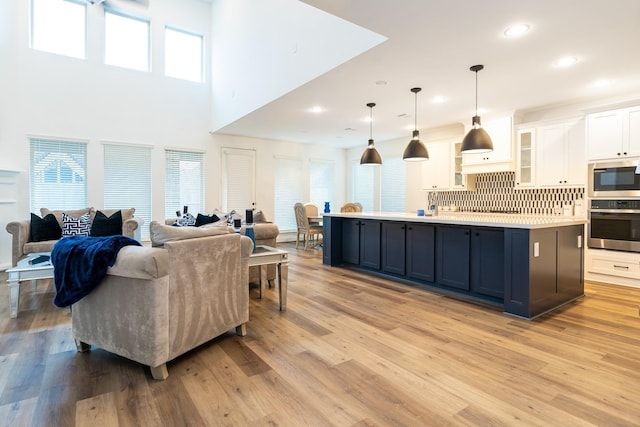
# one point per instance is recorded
(416, 150)
(370, 157)
(477, 140)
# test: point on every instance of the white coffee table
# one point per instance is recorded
(25, 271)
(267, 255)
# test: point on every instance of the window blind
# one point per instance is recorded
(127, 180)
(393, 185)
(321, 173)
(288, 191)
(58, 171)
(238, 169)
(184, 182)
(363, 186)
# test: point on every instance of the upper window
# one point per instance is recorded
(126, 41)
(58, 26)
(183, 55)
(184, 182)
(363, 186)
(58, 171)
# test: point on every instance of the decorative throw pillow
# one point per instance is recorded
(188, 220)
(259, 216)
(126, 213)
(43, 229)
(72, 226)
(160, 233)
(205, 219)
(104, 225)
(74, 213)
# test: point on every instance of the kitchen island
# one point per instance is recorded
(526, 265)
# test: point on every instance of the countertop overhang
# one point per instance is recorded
(480, 219)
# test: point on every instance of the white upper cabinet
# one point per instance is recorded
(437, 170)
(614, 134)
(498, 160)
(525, 162)
(560, 155)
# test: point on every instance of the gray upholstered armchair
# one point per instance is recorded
(158, 303)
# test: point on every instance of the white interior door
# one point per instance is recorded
(238, 179)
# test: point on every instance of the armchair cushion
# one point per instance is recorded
(161, 234)
(72, 226)
(43, 229)
(104, 225)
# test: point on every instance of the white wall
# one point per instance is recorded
(266, 153)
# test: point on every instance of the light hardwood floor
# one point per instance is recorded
(352, 350)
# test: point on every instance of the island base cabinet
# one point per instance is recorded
(420, 252)
(487, 268)
(452, 257)
(393, 247)
(543, 269)
(370, 244)
(350, 241)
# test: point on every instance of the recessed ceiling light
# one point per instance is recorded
(516, 30)
(438, 99)
(317, 109)
(381, 82)
(602, 83)
(565, 62)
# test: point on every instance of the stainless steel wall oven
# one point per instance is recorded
(614, 224)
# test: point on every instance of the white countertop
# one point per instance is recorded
(471, 218)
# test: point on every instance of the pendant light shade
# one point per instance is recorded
(416, 150)
(477, 140)
(371, 156)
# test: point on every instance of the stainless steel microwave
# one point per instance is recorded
(614, 179)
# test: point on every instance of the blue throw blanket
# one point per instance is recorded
(80, 263)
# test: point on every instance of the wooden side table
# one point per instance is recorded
(267, 255)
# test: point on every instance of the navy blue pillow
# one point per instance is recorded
(204, 219)
(43, 229)
(106, 226)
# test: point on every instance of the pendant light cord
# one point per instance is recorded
(415, 114)
(476, 93)
(370, 122)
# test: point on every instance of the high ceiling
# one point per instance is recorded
(432, 43)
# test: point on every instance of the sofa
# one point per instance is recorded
(157, 303)
(24, 242)
(266, 233)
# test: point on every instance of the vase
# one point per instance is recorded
(327, 208)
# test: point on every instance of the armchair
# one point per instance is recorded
(156, 304)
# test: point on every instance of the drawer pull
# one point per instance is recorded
(626, 267)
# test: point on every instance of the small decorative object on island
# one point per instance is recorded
(327, 207)
(477, 140)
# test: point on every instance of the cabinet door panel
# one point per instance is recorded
(570, 267)
(421, 252)
(487, 262)
(436, 171)
(452, 257)
(551, 155)
(634, 131)
(393, 247)
(351, 241)
(605, 135)
(370, 244)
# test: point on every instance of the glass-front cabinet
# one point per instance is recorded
(525, 166)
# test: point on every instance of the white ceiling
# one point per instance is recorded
(432, 43)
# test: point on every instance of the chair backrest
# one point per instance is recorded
(311, 208)
(301, 216)
(358, 205)
(351, 207)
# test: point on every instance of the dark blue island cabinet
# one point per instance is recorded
(526, 271)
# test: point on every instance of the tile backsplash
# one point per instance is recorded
(496, 192)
